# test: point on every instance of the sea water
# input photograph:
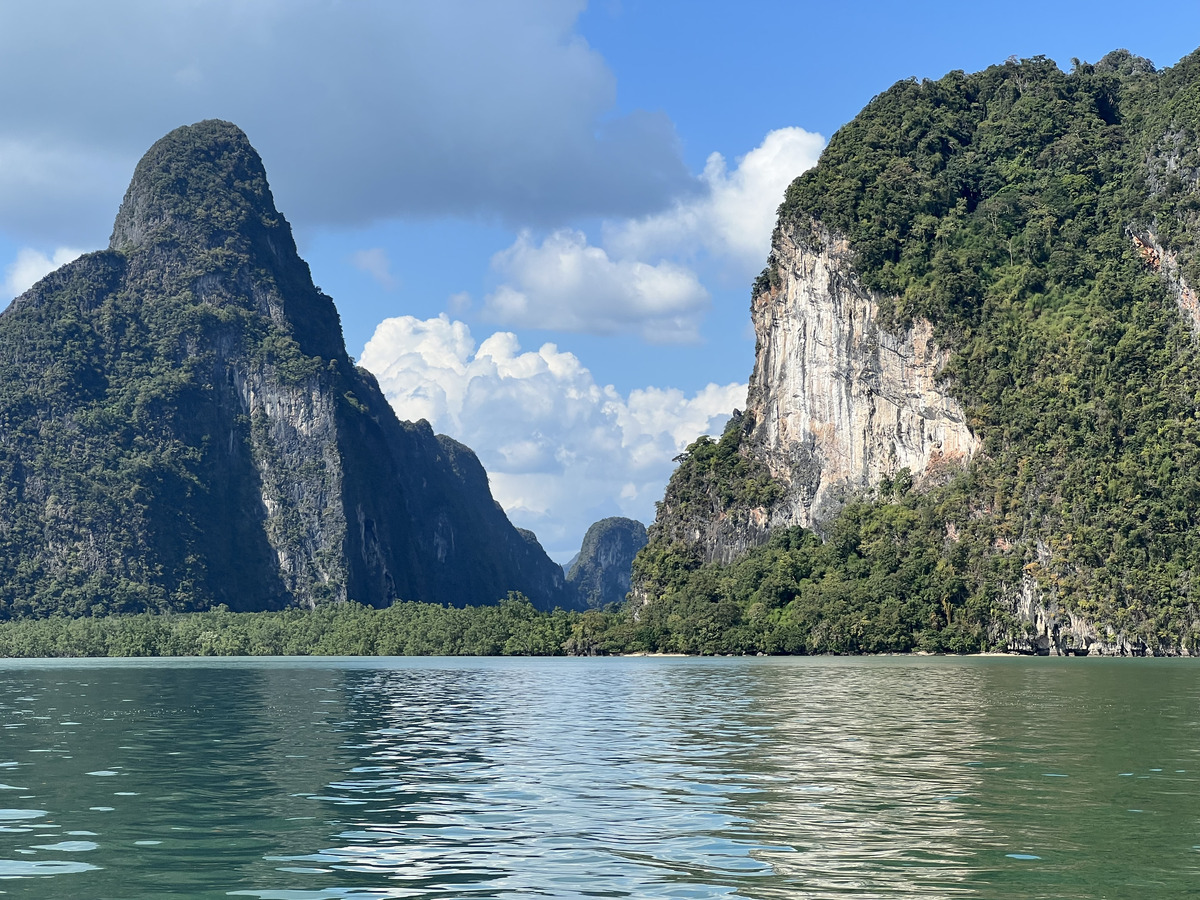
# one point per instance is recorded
(313, 779)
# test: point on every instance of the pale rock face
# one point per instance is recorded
(837, 402)
(1166, 264)
(294, 436)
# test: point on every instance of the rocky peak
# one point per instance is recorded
(199, 217)
(200, 182)
(184, 427)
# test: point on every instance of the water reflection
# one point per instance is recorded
(878, 778)
(636, 778)
(855, 777)
(499, 781)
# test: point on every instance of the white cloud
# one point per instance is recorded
(375, 263)
(453, 107)
(30, 265)
(735, 216)
(566, 284)
(561, 451)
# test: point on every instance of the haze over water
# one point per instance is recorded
(884, 777)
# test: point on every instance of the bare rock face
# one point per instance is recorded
(837, 402)
(1166, 263)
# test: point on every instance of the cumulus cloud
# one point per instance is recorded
(375, 263)
(734, 217)
(362, 110)
(565, 284)
(30, 265)
(561, 450)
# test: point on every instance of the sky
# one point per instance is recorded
(539, 220)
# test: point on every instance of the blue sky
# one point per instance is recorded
(526, 193)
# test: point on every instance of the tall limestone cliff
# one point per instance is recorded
(974, 416)
(838, 402)
(180, 426)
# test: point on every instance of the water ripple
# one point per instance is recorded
(882, 778)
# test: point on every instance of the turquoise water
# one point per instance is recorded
(807, 778)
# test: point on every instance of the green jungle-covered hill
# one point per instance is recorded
(1045, 224)
(180, 427)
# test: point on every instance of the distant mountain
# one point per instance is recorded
(600, 573)
(180, 426)
(974, 414)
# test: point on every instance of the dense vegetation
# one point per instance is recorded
(513, 627)
(881, 578)
(794, 596)
(1002, 206)
(715, 478)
